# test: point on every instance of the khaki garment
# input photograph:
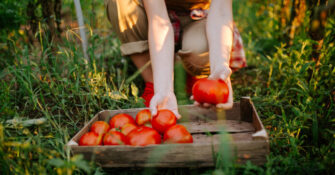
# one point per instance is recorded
(129, 21)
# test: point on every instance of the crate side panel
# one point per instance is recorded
(85, 129)
(199, 154)
(218, 125)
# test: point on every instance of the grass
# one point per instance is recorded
(293, 94)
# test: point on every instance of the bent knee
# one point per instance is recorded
(194, 38)
(128, 19)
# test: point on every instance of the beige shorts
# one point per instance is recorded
(129, 22)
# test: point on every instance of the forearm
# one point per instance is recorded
(220, 33)
(161, 45)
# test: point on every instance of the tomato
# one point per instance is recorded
(210, 91)
(127, 128)
(177, 134)
(90, 139)
(117, 121)
(163, 120)
(99, 127)
(143, 117)
(143, 136)
(114, 138)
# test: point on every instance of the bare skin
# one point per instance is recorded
(140, 59)
(220, 39)
(161, 48)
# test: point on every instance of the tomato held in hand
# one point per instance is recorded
(143, 136)
(117, 121)
(143, 117)
(210, 91)
(163, 120)
(177, 134)
(114, 138)
(90, 139)
(99, 127)
(127, 128)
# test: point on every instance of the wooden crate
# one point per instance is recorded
(248, 140)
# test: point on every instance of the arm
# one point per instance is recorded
(161, 48)
(220, 38)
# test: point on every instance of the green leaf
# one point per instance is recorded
(81, 163)
(57, 162)
(116, 95)
(305, 67)
(330, 131)
(134, 90)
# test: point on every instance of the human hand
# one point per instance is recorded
(225, 76)
(219, 71)
(164, 101)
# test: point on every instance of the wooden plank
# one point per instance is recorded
(194, 113)
(218, 125)
(84, 130)
(247, 139)
(199, 154)
(246, 109)
(214, 126)
(188, 113)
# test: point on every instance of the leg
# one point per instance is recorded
(140, 59)
(129, 22)
(194, 52)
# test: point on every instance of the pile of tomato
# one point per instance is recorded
(123, 129)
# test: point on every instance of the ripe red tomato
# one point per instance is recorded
(90, 139)
(117, 121)
(210, 91)
(163, 120)
(177, 134)
(114, 138)
(143, 136)
(127, 128)
(99, 127)
(143, 117)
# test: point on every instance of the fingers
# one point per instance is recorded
(191, 98)
(222, 74)
(224, 105)
(164, 102)
(176, 113)
(207, 105)
(212, 77)
(224, 77)
(225, 74)
(153, 106)
(196, 103)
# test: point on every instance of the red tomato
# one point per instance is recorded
(114, 138)
(143, 136)
(117, 121)
(90, 139)
(99, 127)
(127, 128)
(143, 117)
(163, 120)
(210, 91)
(177, 134)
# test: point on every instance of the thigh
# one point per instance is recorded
(194, 52)
(128, 19)
(194, 37)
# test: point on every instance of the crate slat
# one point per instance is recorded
(245, 135)
(218, 125)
